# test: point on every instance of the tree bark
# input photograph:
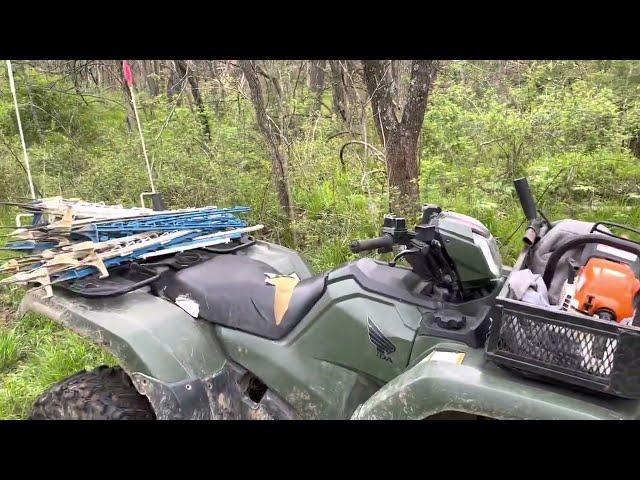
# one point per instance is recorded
(340, 99)
(316, 82)
(278, 155)
(399, 128)
(174, 82)
(634, 145)
(183, 71)
(219, 93)
(150, 78)
(316, 75)
(401, 74)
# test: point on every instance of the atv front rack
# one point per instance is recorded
(586, 352)
(560, 346)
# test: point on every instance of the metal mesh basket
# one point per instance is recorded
(586, 352)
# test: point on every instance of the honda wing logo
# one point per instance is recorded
(383, 345)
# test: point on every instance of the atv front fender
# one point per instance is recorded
(478, 387)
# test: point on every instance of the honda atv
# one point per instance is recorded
(248, 331)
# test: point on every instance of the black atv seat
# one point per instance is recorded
(230, 290)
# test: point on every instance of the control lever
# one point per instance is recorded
(404, 252)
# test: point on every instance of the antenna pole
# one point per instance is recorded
(129, 79)
(12, 86)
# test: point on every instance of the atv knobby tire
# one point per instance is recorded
(102, 394)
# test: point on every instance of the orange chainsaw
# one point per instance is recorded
(605, 283)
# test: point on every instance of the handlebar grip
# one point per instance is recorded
(384, 242)
(526, 199)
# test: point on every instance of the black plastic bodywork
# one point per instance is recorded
(224, 396)
(553, 345)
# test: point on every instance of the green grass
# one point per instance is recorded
(35, 353)
(10, 343)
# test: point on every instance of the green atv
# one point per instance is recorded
(249, 332)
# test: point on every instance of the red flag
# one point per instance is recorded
(128, 76)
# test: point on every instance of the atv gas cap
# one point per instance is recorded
(451, 323)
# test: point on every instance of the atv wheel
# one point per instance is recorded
(102, 394)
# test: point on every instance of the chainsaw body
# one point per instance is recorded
(605, 283)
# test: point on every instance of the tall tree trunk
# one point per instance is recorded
(340, 99)
(219, 96)
(316, 82)
(634, 145)
(183, 71)
(399, 128)
(316, 75)
(402, 167)
(174, 82)
(150, 78)
(401, 73)
(278, 154)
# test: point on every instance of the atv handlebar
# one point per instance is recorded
(384, 242)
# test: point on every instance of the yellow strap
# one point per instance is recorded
(282, 296)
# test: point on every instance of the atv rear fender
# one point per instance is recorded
(145, 333)
(172, 358)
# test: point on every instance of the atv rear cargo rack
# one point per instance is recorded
(133, 276)
(564, 347)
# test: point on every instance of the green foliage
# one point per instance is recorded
(563, 124)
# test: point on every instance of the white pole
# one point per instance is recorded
(144, 148)
(24, 145)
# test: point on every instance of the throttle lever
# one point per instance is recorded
(573, 270)
(404, 252)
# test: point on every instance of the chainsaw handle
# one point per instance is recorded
(552, 263)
